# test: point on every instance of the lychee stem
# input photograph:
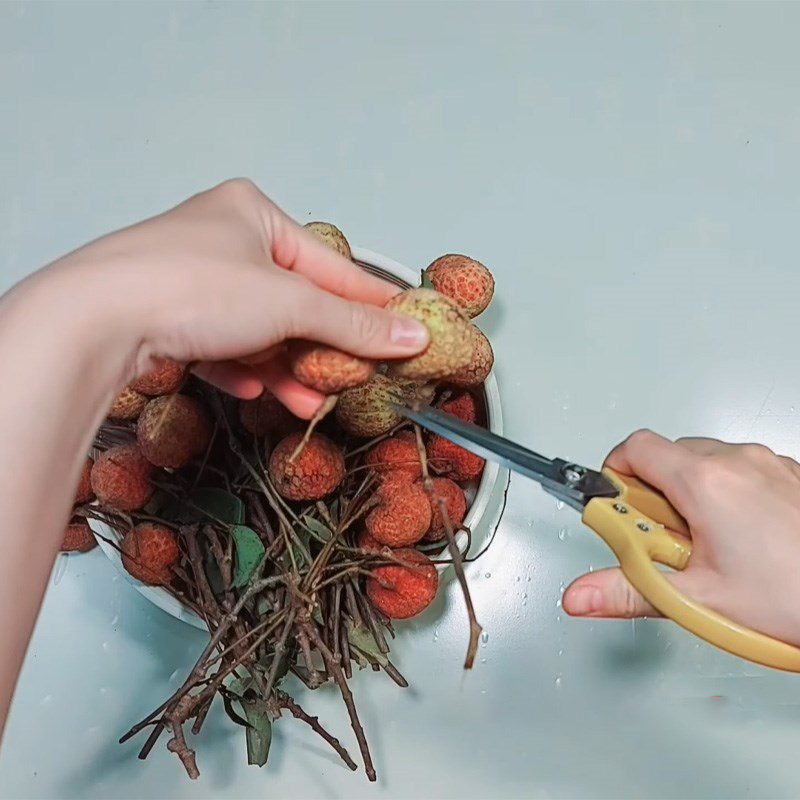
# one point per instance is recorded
(327, 406)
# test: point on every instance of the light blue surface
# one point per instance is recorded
(629, 172)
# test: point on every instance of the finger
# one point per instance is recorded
(703, 446)
(358, 328)
(300, 400)
(231, 377)
(298, 250)
(608, 593)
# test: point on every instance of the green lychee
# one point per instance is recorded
(332, 237)
(367, 410)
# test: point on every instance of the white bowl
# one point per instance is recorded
(482, 516)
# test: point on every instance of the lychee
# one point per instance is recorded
(165, 378)
(462, 405)
(315, 473)
(84, 493)
(327, 369)
(464, 280)
(149, 552)
(128, 404)
(172, 430)
(332, 237)
(368, 543)
(396, 457)
(367, 410)
(450, 347)
(400, 592)
(455, 503)
(452, 461)
(402, 516)
(121, 478)
(480, 365)
(266, 416)
(78, 537)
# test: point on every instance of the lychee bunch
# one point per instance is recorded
(149, 552)
(450, 347)
(315, 473)
(480, 365)
(452, 460)
(461, 405)
(120, 478)
(267, 416)
(172, 430)
(332, 236)
(327, 369)
(128, 404)
(164, 378)
(395, 458)
(455, 501)
(464, 280)
(402, 516)
(84, 493)
(78, 537)
(400, 592)
(367, 410)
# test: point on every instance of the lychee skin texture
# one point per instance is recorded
(315, 473)
(450, 347)
(326, 369)
(401, 592)
(149, 552)
(332, 237)
(455, 503)
(84, 493)
(479, 367)
(395, 458)
(366, 542)
(453, 461)
(172, 430)
(367, 411)
(402, 516)
(463, 406)
(266, 416)
(464, 280)
(128, 404)
(78, 537)
(121, 478)
(165, 378)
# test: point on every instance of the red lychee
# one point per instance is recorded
(455, 503)
(121, 478)
(266, 416)
(400, 592)
(128, 404)
(402, 516)
(315, 473)
(463, 406)
(463, 280)
(396, 457)
(368, 543)
(452, 461)
(149, 552)
(165, 378)
(326, 369)
(478, 369)
(84, 492)
(78, 537)
(172, 430)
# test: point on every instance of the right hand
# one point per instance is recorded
(742, 505)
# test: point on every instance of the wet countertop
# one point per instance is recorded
(630, 174)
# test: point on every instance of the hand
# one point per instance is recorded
(742, 504)
(224, 278)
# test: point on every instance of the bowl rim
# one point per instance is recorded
(477, 511)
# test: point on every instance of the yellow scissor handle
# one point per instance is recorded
(632, 525)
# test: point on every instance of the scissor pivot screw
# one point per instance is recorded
(573, 474)
(620, 509)
(643, 526)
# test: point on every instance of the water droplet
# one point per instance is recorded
(524, 595)
(591, 568)
(558, 619)
(115, 620)
(559, 505)
(528, 579)
(175, 675)
(561, 652)
(488, 575)
(436, 635)
(558, 681)
(612, 404)
(530, 523)
(558, 603)
(60, 568)
(105, 645)
(46, 700)
(519, 578)
(483, 661)
(483, 691)
(485, 637)
(561, 586)
(562, 534)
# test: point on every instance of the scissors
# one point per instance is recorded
(635, 520)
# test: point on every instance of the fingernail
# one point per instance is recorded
(407, 332)
(584, 600)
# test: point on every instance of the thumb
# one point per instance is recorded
(608, 593)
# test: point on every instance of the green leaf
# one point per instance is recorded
(206, 504)
(317, 528)
(362, 639)
(214, 577)
(263, 606)
(249, 552)
(259, 734)
(425, 281)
